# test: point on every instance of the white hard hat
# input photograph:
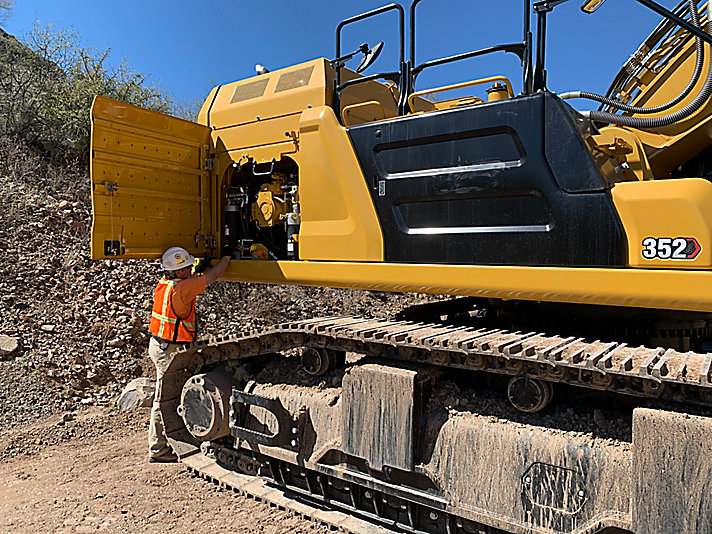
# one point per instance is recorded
(176, 258)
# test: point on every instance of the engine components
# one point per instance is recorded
(261, 214)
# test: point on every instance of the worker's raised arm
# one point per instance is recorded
(215, 272)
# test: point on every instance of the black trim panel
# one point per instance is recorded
(476, 186)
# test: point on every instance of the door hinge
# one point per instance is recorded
(210, 164)
(209, 240)
(111, 187)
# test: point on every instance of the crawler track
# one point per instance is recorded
(615, 367)
(258, 489)
(641, 371)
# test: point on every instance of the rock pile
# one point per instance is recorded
(81, 325)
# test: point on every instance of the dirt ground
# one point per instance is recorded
(88, 472)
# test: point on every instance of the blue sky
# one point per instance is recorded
(189, 46)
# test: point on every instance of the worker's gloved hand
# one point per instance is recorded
(203, 264)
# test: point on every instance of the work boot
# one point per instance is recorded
(165, 459)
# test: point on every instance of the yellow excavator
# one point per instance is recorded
(576, 247)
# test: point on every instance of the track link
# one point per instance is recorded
(257, 488)
(609, 366)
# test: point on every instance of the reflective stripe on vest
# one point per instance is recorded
(165, 323)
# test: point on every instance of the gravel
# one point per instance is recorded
(81, 325)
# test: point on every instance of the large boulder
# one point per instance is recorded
(9, 347)
(137, 394)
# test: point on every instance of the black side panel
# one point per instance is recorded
(473, 186)
(566, 153)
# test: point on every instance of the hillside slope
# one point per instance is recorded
(82, 324)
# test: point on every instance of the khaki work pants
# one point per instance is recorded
(157, 443)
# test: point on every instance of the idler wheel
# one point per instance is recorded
(529, 394)
(317, 361)
(204, 405)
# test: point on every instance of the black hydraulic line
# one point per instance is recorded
(657, 122)
(660, 10)
(657, 35)
(699, 63)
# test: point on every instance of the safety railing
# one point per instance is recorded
(409, 70)
(398, 77)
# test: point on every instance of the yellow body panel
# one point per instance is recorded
(279, 93)
(150, 189)
(667, 209)
(282, 95)
(651, 288)
(295, 121)
(638, 165)
(339, 221)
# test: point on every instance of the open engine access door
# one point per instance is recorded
(150, 184)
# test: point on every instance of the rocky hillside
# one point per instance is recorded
(74, 331)
(81, 325)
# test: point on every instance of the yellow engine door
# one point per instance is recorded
(151, 182)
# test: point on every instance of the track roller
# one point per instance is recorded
(317, 361)
(528, 394)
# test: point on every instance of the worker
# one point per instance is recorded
(173, 323)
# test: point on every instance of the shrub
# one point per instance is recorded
(47, 85)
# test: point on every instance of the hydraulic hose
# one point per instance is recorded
(700, 59)
(659, 33)
(657, 122)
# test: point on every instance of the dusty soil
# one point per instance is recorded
(89, 473)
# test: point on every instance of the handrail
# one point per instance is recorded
(338, 86)
(412, 31)
(460, 85)
(384, 75)
(372, 13)
(409, 71)
(515, 48)
(523, 50)
(361, 105)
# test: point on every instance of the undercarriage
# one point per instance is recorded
(424, 427)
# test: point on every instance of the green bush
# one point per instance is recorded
(47, 85)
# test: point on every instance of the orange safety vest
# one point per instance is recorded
(165, 323)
